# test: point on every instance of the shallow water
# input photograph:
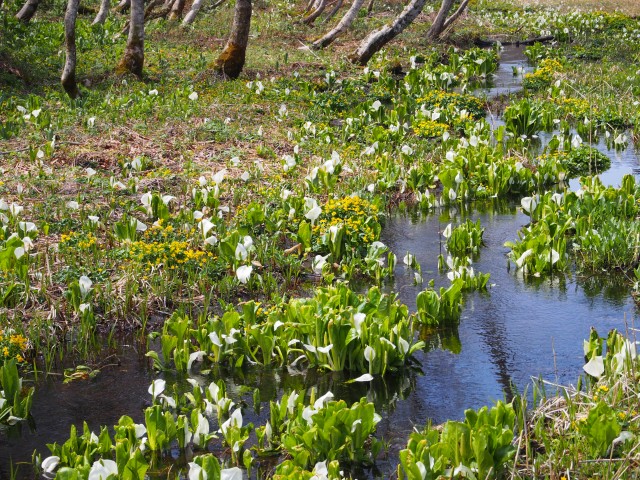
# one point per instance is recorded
(503, 81)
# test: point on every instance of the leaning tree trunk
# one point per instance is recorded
(191, 16)
(311, 5)
(438, 24)
(333, 11)
(370, 6)
(315, 13)
(102, 13)
(133, 59)
(441, 22)
(28, 10)
(68, 79)
(378, 39)
(231, 60)
(176, 9)
(195, 8)
(342, 26)
(456, 14)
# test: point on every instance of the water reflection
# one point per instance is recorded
(520, 328)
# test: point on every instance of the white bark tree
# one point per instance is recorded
(68, 78)
(341, 27)
(195, 8)
(379, 38)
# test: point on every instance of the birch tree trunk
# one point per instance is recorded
(341, 27)
(133, 59)
(378, 39)
(102, 13)
(28, 10)
(231, 60)
(68, 78)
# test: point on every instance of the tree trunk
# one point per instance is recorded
(176, 10)
(316, 13)
(68, 78)
(438, 23)
(191, 16)
(102, 13)
(123, 5)
(456, 14)
(28, 10)
(195, 8)
(342, 26)
(231, 60)
(332, 13)
(150, 6)
(378, 39)
(311, 5)
(370, 6)
(133, 59)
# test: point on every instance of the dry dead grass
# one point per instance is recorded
(630, 7)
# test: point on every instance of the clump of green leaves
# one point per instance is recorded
(480, 446)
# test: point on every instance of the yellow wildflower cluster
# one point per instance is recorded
(13, 345)
(430, 129)
(357, 215)
(160, 246)
(78, 240)
(575, 107)
(452, 103)
(543, 76)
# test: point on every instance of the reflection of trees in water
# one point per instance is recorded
(441, 339)
(614, 288)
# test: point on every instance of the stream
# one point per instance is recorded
(521, 328)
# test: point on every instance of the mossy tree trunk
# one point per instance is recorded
(28, 10)
(231, 60)
(133, 59)
(68, 78)
(379, 38)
